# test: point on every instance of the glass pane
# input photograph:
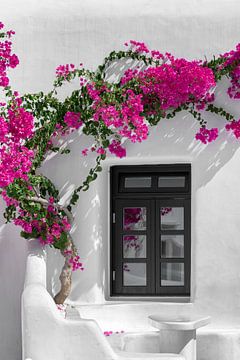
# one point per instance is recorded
(134, 274)
(134, 246)
(138, 182)
(134, 218)
(171, 181)
(172, 246)
(172, 274)
(172, 218)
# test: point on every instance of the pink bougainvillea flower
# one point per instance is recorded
(128, 75)
(107, 333)
(232, 58)
(20, 123)
(93, 93)
(207, 135)
(176, 83)
(85, 152)
(9, 201)
(13, 61)
(15, 162)
(74, 262)
(109, 115)
(73, 120)
(156, 54)
(4, 129)
(10, 33)
(27, 227)
(64, 70)
(4, 81)
(101, 151)
(234, 126)
(139, 47)
(116, 149)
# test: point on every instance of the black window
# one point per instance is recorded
(151, 230)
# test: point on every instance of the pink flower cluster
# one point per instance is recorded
(176, 83)
(142, 48)
(20, 123)
(134, 124)
(157, 55)
(110, 115)
(127, 120)
(138, 47)
(116, 149)
(4, 129)
(18, 126)
(75, 263)
(73, 260)
(8, 200)
(7, 59)
(73, 120)
(128, 76)
(201, 104)
(64, 70)
(25, 225)
(15, 158)
(52, 233)
(85, 151)
(15, 127)
(101, 150)
(15, 162)
(233, 59)
(94, 94)
(234, 126)
(48, 232)
(206, 135)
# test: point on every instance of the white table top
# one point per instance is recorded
(178, 323)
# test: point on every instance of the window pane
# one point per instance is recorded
(172, 218)
(134, 246)
(134, 218)
(138, 182)
(134, 274)
(172, 246)
(172, 274)
(171, 181)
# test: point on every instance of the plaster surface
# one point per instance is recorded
(50, 33)
(65, 338)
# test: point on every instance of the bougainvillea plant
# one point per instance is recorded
(156, 86)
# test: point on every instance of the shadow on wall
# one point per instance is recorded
(171, 141)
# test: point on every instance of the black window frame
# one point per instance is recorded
(152, 198)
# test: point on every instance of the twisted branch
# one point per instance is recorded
(66, 273)
(45, 203)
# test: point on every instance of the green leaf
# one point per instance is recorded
(61, 242)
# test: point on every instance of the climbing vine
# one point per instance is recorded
(155, 86)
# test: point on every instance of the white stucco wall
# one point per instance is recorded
(50, 33)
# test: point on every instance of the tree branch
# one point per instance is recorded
(45, 203)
